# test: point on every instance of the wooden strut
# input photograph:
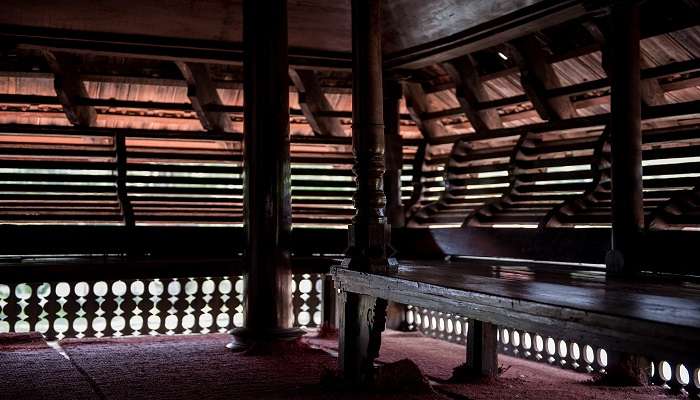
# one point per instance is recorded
(491, 208)
(411, 206)
(600, 167)
(70, 89)
(417, 104)
(122, 193)
(666, 215)
(470, 92)
(394, 153)
(204, 97)
(536, 77)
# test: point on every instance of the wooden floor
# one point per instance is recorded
(653, 315)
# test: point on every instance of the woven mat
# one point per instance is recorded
(30, 369)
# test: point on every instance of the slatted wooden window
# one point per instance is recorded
(162, 179)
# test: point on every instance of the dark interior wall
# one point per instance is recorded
(662, 251)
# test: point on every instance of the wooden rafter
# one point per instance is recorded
(651, 90)
(204, 97)
(655, 73)
(70, 89)
(536, 77)
(417, 105)
(470, 93)
(313, 102)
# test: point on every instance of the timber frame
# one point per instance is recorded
(270, 149)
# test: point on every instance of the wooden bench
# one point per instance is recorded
(652, 316)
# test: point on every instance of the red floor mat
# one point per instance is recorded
(30, 369)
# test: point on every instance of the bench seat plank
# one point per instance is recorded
(649, 318)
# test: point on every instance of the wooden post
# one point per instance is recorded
(267, 185)
(482, 353)
(626, 141)
(626, 151)
(363, 317)
(122, 192)
(329, 327)
(394, 153)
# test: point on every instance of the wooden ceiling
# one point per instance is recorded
(313, 24)
(513, 155)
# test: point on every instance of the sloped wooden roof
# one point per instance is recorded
(529, 172)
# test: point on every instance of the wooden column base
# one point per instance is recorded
(264, 342)
(367, 249)
(482, 352)
(617, 265)
(363, 319)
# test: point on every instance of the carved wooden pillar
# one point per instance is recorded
(363, 317)
(626, 140)
(394, 153)
(369, 230)
(267, 184)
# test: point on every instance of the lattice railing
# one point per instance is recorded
(141, 306)
(556, 351)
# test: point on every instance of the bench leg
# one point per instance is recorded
(482, 351)
(396, 317)
(362, 320)
(329, 327)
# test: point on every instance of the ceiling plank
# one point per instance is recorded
(497, 30)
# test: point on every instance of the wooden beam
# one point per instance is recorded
(157, 47)
(69, 88)
(312, 101)
(536, 77)
(203, 95)
(470, 93)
